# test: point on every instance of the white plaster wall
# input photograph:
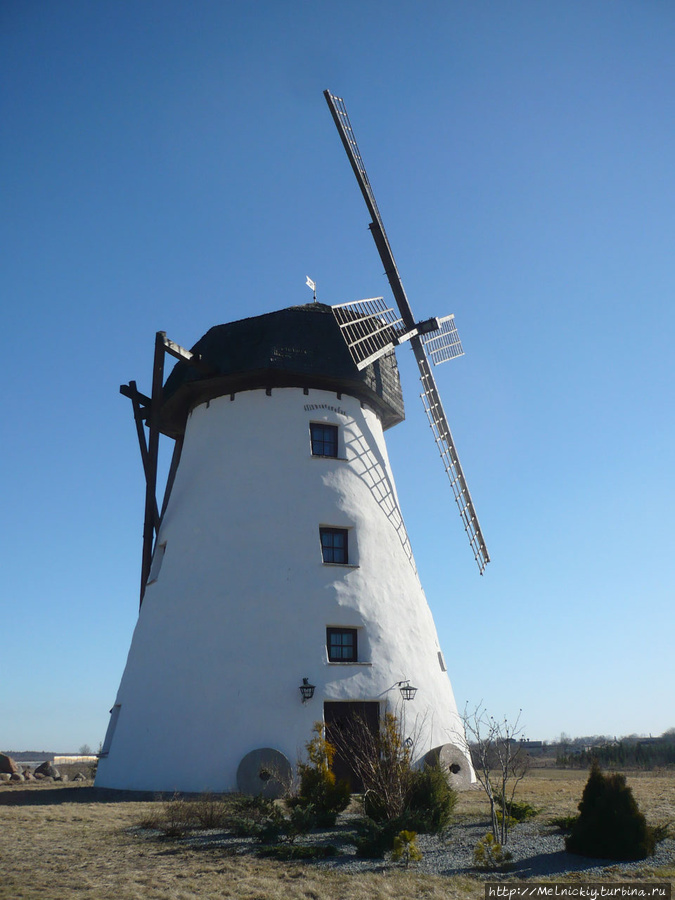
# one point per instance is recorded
(238, 613)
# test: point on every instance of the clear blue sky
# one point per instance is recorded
(170, 166)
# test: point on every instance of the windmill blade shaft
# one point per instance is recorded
(445, 347)
(446, 447)
(391, 271)
(344, 127)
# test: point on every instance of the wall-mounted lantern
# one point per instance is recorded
(407, 690)
(307, 690)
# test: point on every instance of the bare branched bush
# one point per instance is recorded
(382, 761)
(207, 811)
(500, 763)
(175, 818)
(179, 814)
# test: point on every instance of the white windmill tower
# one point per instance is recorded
(278, 584)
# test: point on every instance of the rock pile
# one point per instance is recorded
(12, 773)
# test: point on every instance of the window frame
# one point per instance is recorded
(314, 442)
(333, 531)
(343, 630)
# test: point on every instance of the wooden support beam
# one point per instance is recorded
(131, 391)
(146, 410)
(175, 459)
(180, 352)
(153, 454)
(194, 359)
(134, 395)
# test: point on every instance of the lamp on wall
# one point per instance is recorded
(307, 690)
(407, 690)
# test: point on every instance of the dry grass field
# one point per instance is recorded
(60, 841)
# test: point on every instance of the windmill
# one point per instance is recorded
(278, 584)
(371, 328)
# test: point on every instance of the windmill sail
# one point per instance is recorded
(344, 127)
(446, 447)
(370, 328)
(442, 346)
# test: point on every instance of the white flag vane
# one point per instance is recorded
(312, 285)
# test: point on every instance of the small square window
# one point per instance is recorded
(341, 644)
(324, 439)
(334, 545)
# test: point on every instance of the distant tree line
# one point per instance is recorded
(628, 752)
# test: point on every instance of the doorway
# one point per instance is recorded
(343, 721)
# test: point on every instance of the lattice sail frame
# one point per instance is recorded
(440, 428)
(444, 344)
(370, 328)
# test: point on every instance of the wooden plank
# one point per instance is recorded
(175, 459)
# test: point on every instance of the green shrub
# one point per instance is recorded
(405, 848)
(510, 821)
(320, 790)
(252, 808)
(489, 854)
(271, 829)
(257, 817)
(517, 811)
(429, 806)
(264, 820)
(430, 802)
(286, 852)
(564, 823)
(302, 820)
(374, 839)
(610, 824)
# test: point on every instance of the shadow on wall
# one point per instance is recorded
(370, 468)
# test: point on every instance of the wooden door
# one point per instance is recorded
(344, 721)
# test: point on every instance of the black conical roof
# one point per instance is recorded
(296, 347)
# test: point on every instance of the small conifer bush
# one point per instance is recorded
(517, 810)
(405, 848)
(257, 817)
(374, 839)
(489, 854)
(319, 788)
(610, 824)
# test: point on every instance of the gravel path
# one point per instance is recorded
(538, 851)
